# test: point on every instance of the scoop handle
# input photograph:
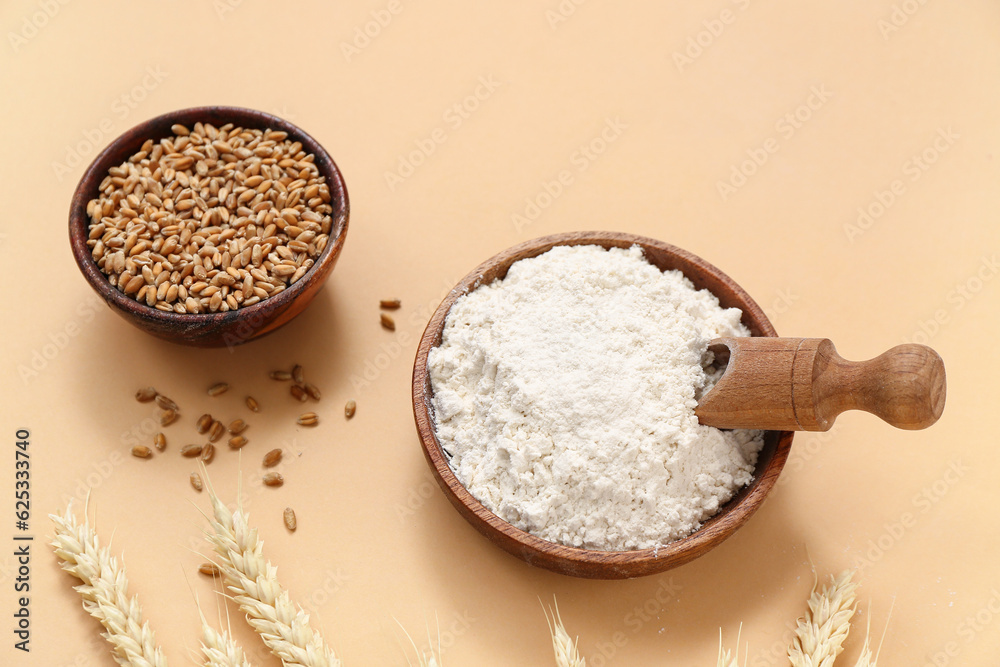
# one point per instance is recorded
(802, 384)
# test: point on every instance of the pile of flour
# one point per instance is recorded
(565, 395)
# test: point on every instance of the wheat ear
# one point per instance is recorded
(820, 634)
(567, 654)
(105, 592)
(219, 649)
(253, 581)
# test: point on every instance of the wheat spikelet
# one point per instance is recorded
(820, 634)
(253, 581)
(565, 648)
(105, 592)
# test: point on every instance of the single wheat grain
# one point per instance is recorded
(145, 395)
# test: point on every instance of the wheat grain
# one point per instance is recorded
(218, 388)
(387, 322)
(820, 634)
(145, 395)
(350, 408)
(390, 304)
(291, 523)
(273, 479)
(272, 458)
(105, 592)
(565, 648)
(254, 585)
(141, 451)
(252, 404)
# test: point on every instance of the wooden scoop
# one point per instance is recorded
(802, 384)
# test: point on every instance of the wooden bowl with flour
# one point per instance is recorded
(575, 561)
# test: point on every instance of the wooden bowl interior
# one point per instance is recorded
(208, 329)
(585, 562)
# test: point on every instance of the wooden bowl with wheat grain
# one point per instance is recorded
(575, 561)
(214, 329)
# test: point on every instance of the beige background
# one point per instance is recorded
(378, 548)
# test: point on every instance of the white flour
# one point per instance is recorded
(565, 396)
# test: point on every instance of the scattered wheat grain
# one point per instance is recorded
(145, 395)
(160, 442)
(387, 321)
(237, 426)
(196, 481)
(390, 304)
(307, 419)
(141, 451)
(237, 442)
(191, 451)
(210, 570)
(218, 389)
(273, 479)
(252, 404)
(350, 408)
(204, 423)
(166, 403)
(291, 523)
(272, 458)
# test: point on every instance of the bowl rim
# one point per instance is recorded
(557, 557)
(157, 127)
